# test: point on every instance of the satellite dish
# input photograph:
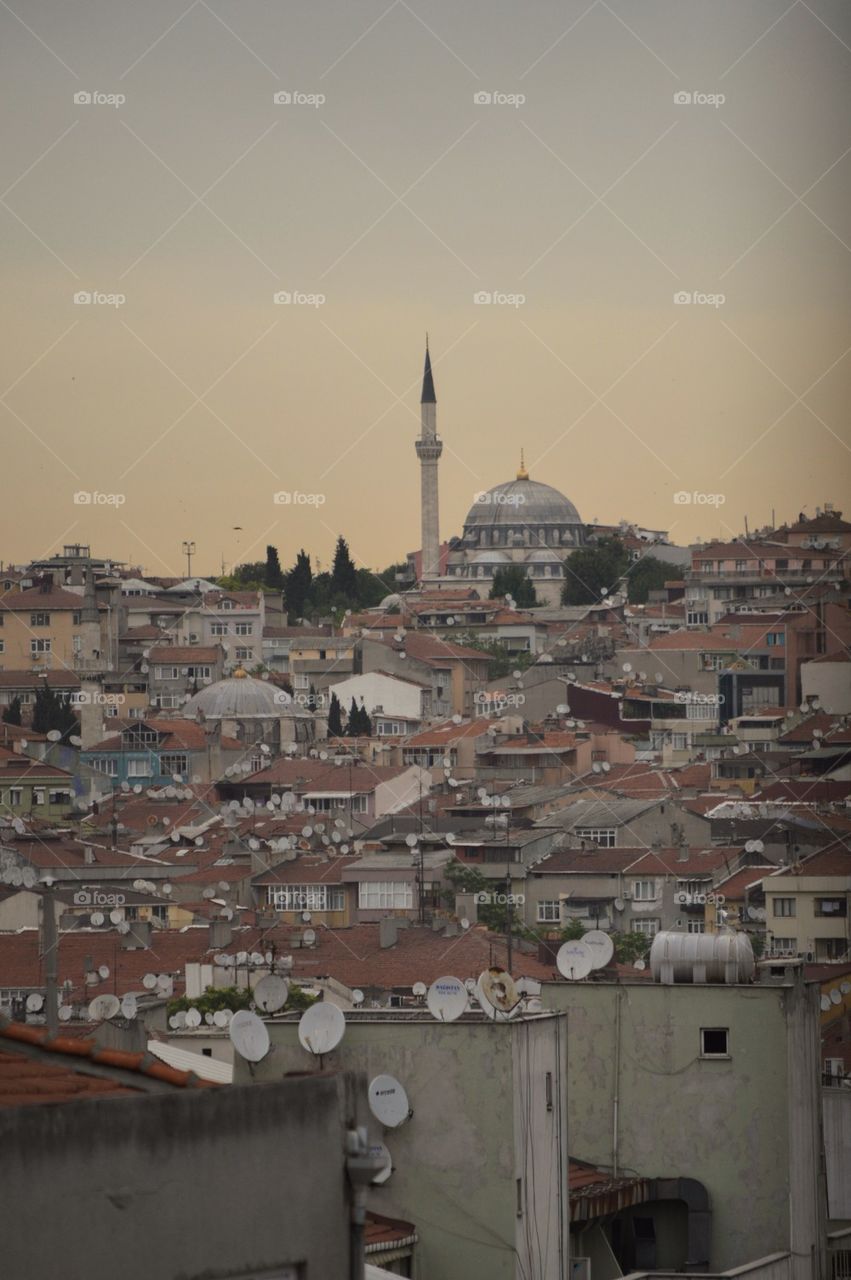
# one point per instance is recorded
(309, 937)
(639, 965)
(271, 993)
(129, 1005)
(845, 987)
(752, 913)
(103, 1007)
(321, 1028)
(380, 1151)
(249, 1036)
(35, 1002)
(220, 1018)
(53, 735)
(447, 999)
(177, 1020)
(836, 996)
(419, 988)
(574, 960)
(65, 1012)
(388, 1101)
(103, 972)
(29, 876)
(97, 917)
(497, 987)
(116, 916)
(357, 996)
(75, 740)
(618, 904)
(825, 1004)
(149, 981)
(602, 947)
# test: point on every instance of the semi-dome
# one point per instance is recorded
(522, 502)
(239, 697)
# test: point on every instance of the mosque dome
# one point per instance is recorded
(522, 502)
(239, 697)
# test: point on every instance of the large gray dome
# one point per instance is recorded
(239, 697)
(522, 502)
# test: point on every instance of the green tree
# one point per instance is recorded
(353, 721)
(630, 947)
(344, 578)
(513, 580)
(12, 713)
(274, 576)
(573, 930)
(647, 574)
(335, 717)
(51, 711)
(503, 662)
(494, 915)
(297, 585)
(590, 570)
(366, 723)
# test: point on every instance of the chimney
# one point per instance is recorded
(387, 930)
(682, 853)
(139, 936)
(221, 934)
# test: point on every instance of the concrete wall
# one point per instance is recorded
(830, 682)
(478, 1094)
(211, 1183)
(836, 1105)
(725, 1122)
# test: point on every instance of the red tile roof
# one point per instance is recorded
(428, 648)
(188, 735)
(184, 653)
(14, 764)
(734, 887)
(321, 775)
(28, 1079)
(36, 600)
(637, 861)
(311, 869)
(443, 735)
(59, 679)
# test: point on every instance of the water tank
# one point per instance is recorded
(702, 957)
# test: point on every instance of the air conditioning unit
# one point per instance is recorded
(627, 894)
(193, 638)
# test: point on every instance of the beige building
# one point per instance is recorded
(807, 907)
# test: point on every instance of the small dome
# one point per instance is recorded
(490, 557)
(543, 557)
(239, 697)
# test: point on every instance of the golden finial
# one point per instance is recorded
(240, 674)
(522, 474)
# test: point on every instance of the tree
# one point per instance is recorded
(590, 570)
(344, 578)
(647, 574)
(573, 930)
(274, 575)
(52, 711)
(12, 713)
(513, 580)
(366, 723)
(353, 721)
(335, 717)
(503, 661)
(464, 879)
(630, 946)
(297, 586)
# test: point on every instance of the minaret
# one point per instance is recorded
(429, 448)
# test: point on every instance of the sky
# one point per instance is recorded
(625, 228)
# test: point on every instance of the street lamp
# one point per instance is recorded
(189, 551)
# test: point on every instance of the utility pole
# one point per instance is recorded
(48, 933)
(189, 551)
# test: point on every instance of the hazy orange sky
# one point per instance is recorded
(596, 200)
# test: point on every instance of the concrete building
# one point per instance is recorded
(716, 1088)
(807, 906)
(480, 1167)
(397, 705)
(827, 680)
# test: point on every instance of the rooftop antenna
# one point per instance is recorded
(320, 1029)
(249, 1036)
(447, 999)
(388, 1101)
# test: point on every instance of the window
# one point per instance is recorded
(831, 907)
(644, 890)
(166, 700)
(697, 926)
(714, 1042)
(219, 629)
(244, 655)
(784, 946)
(77, 644)
(39, 619)
(166, 673)
(107, 765)
(76, 619)
(2, 646)
(831, 948)
(377, 895)
(603, 836)
(648, 927)
(174, 763)
(325, 804)
(198, 673)
(243, 629)
(139, 769)
(775, 638)
(741, 566)
(784, 907)
(16, 796)
(707, 566)
(38, 795)
(40, 646)
(389, 728)
(549, 912)
(306, 897)
(59, 797)
(697, 618)
(110, 711)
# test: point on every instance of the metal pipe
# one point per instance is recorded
(616, 1092)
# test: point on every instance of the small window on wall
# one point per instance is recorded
(714, 1042)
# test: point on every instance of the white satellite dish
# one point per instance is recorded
(574, 960)
(129, 1005)
(836, 996)
(357, 996)
(602, 947)
(379, 1150)
(249, 1036)
(419, 988)
(65, 1012)
(35, 1002)
(193, 1017)
(149, 981)
(117, 915)
(618, 904)
(220, 1018)
(321, 1028)
(447, 999)
(103, 972)
(177, 1020)
(309, 937)
(498, 988)
(271, 993)
(103, 1007)
(388, 1101)
(97, 917)
(640, 965)
(825, 1004)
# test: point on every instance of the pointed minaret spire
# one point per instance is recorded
(522, 474)
(428, 396)
(429, 448)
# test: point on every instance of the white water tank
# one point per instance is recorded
(702, 957)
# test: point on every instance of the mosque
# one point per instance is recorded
(521, 522)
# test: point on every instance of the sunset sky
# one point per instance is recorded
(585, 208)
